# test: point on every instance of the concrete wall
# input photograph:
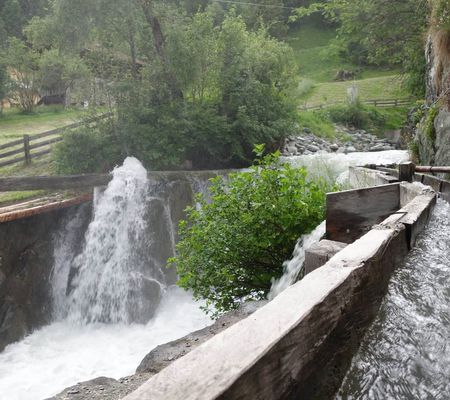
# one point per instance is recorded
(26, 261)
(300, 344)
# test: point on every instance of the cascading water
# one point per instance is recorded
(405, 354)
(112, 280)
(293, 267)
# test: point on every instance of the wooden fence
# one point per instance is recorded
(374, 102)
(27, 146)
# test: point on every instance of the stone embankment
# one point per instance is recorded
(346, 141)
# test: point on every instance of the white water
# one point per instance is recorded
(64, 353)
(335, 166)
(110, 274)
(293, 267)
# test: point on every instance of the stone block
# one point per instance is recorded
(319, 253)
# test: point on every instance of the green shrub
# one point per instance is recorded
(428, 128)
(86, 150)
(232, 247)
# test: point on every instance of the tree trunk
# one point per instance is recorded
(159, 42)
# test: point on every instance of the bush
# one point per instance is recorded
(86, 150)
(232, 247)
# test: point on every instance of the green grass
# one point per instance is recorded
(14, 124)
(319, 124)
(319, 62)
(382, 87)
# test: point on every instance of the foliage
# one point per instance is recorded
(233, 246)
(428, 125)
(4, 79)
(23, 62)
(99, 151)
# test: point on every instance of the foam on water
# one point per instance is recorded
(405, 354)
(334, 166)
(64, 353)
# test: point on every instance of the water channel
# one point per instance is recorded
(405, 354)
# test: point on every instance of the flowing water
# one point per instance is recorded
(112, 302)
(405, 354)
(292, 268)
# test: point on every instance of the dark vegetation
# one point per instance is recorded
(196, 82)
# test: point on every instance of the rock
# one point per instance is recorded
(350, 149)
(312, 148)
(340, 150)
(334, 147)
(306, 130)
(377, 147)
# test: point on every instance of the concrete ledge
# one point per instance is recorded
(279, 351)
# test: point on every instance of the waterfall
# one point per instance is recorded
(292, 268)
(112, 279)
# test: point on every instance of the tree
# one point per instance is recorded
(4, 79)
(233, 246)
(24, 65)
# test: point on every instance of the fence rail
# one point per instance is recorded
(28, 143)
(372, 102)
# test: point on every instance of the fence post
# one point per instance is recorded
(375, 103)
(26, 148)
(406, 171)
(396, 102)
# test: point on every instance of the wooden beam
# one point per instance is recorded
(53, 182)
(351, 213)
(425, 169)
(406, 171)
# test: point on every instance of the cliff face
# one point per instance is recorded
(433, 133)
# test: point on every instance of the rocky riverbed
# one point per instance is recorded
(346, 140)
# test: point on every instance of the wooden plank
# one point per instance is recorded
(11, 162)
(53, 182)
(11, 144)
(352, 213)
(29, 212)
(445, 191)
(432, 181)
(45, 143)
(41, 153)
(11, 153)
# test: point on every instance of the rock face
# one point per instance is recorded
(26, 261)
(155, 361)
(347, 141)
(436, 150)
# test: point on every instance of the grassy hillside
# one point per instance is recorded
(318, 64)
(14, 124)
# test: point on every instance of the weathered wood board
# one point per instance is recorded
(432, 181)
(53, 182)
(352, 213)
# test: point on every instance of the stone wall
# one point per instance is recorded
(26, 260)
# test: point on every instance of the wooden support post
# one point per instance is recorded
(26, 149)
(406, 171)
